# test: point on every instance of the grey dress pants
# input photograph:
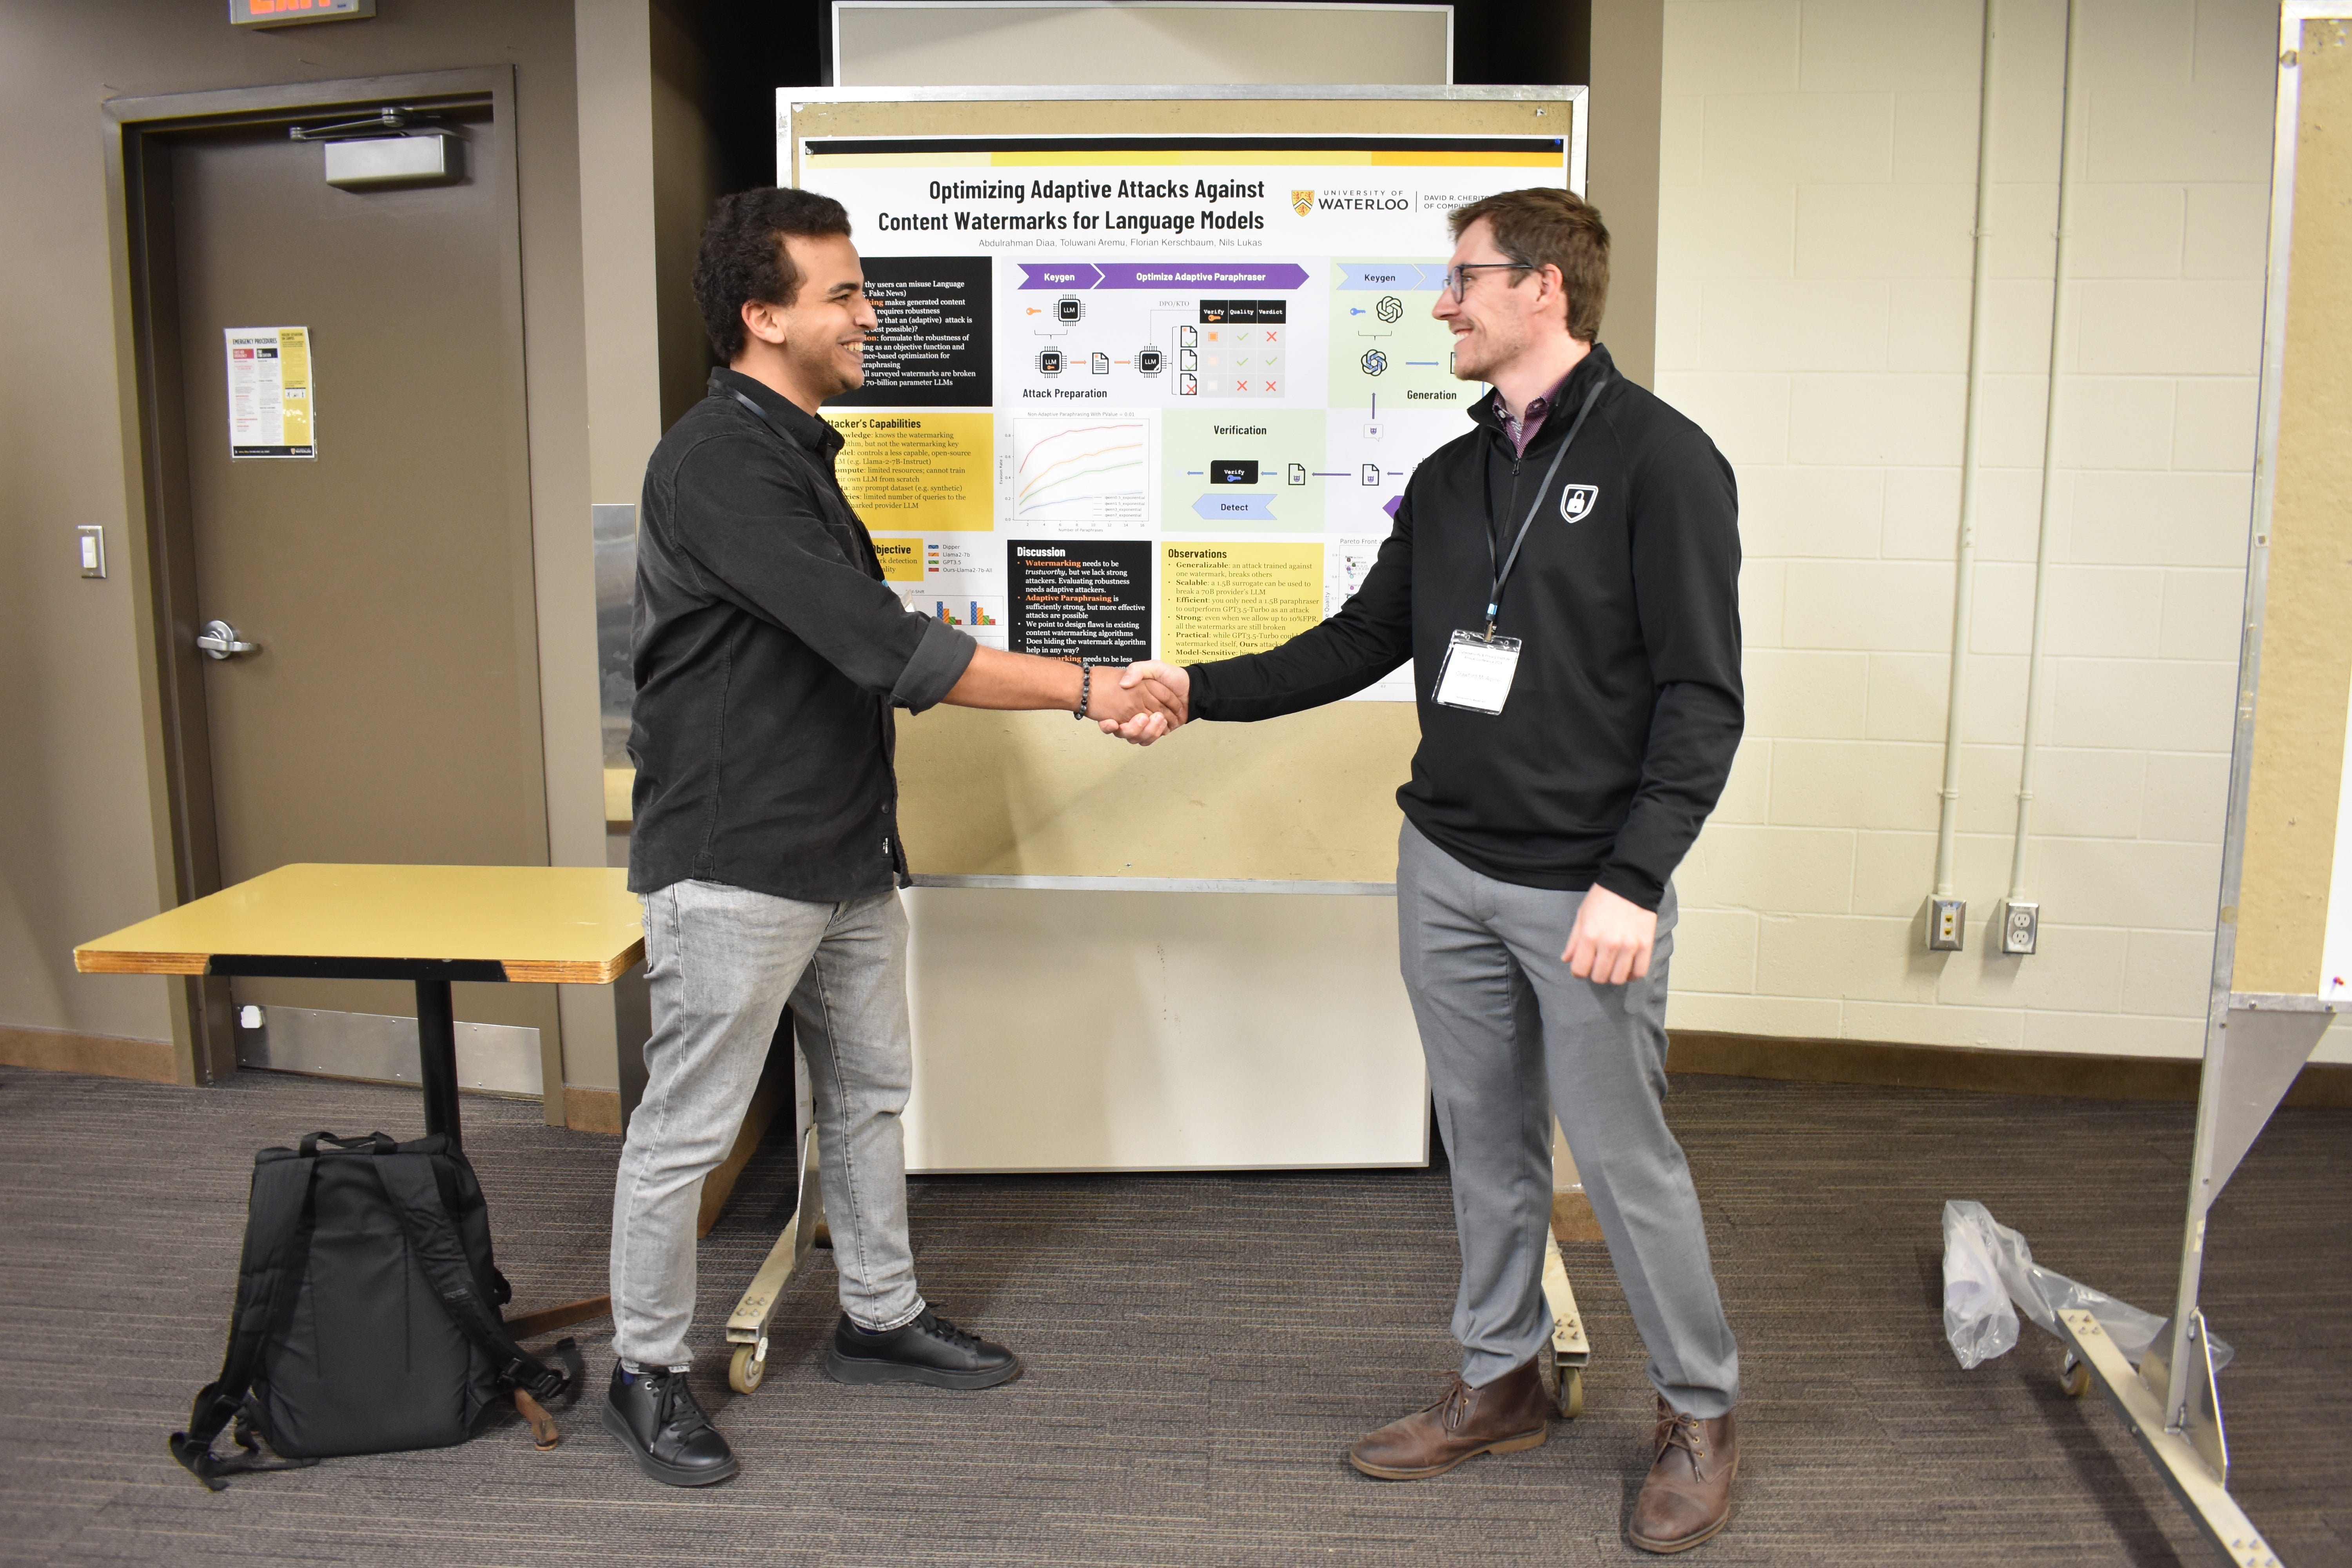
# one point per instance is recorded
(1512, 1037)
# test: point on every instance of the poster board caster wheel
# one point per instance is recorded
(2074, 1377)
(746, 1368)
(1571, 1392)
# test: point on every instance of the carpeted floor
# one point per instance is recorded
(1201, 1350)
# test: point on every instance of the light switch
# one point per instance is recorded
(92, 539)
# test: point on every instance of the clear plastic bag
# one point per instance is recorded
(1976, 1244)
(1978, 1322)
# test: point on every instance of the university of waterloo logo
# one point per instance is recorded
(1302, 202)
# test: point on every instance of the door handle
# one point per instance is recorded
(219, 640)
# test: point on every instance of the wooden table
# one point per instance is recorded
(549, 925)
(426, 924)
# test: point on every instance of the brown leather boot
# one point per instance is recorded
(1687, 1498)
(1505, 1416)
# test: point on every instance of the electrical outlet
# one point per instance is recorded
(1945, 919)
(2020, 927)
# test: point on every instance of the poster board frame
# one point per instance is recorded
(1295, 801)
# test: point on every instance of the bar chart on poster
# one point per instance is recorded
(1149, 381)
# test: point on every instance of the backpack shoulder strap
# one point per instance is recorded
(269, 1275)
(408, 1180)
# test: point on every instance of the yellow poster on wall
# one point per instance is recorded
(909, 471)
(902, 559)
(272, 402)
(1220, 599)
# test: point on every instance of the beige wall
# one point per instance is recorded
(687, 179)
(620, 336)
(1814, 271)
(75, 836)
(78, 850)
(621, 329)
(1142, 45)
(1622, 160)
(1817, 161)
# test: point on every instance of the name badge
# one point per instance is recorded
(1477, 672)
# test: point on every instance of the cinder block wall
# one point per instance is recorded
(1818, 167)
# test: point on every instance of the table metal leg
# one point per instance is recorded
(436, 1058)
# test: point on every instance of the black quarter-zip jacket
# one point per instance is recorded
(1626, 707)
(769, 653)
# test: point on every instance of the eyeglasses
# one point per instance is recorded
(1457, 277)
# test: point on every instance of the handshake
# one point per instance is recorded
(1145, 703)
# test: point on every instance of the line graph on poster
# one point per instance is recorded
(1090, 468)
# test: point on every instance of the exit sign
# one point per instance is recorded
(286, 12)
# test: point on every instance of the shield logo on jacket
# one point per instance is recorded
(1578, 500)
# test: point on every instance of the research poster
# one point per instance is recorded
(1150, 396)
(270, 412)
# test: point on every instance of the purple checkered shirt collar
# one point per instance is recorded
(1523, 429)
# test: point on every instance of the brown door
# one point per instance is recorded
(390, 712)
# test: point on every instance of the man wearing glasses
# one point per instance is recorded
(1565, 578)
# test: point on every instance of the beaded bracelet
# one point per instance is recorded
(1085, 685)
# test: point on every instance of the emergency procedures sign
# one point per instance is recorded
(1144, 394)
(271, 411)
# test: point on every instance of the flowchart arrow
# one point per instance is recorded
(1275, 275)
(1382, 277)
(1390, 276)
(1231, 507)
(1060, 275)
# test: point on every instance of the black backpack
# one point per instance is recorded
(367, 1314)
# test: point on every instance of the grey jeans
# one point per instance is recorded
(1512, 1037)
(721, 963)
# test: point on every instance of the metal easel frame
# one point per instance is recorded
(2256, 1043)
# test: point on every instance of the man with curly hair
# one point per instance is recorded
(768, 654)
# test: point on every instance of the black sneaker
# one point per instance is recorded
(654, 1416)
(929, 1350)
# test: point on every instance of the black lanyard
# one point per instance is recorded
(1503, 571)
(759, 414)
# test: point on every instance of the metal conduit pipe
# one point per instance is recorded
(2021, 917)
(1946, 913)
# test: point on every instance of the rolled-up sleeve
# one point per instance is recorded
(938, 662)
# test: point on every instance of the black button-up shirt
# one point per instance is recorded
(769, 652)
